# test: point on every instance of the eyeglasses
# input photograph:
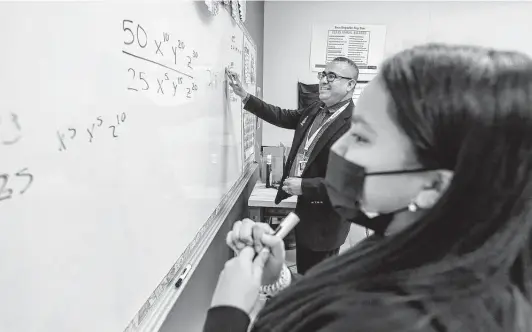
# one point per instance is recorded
(331, 76)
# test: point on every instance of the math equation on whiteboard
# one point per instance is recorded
(162, 64)
(101, 126)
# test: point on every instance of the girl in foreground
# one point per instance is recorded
(441, 141)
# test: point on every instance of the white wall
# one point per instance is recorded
(288, 24)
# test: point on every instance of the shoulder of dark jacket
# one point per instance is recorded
(226, 319)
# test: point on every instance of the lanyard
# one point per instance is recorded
(331, 118)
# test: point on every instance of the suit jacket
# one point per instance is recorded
(321, 228)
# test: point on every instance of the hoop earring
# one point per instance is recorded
(413, 207)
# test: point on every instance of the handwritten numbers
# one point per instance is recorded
(119, 119)
(141, 77)
(24, 173)
(189, 90)
(145, 82)
(6, 179)
(142, 45)
(132, 70)
(114, 130)
(128, 29)
(131, 40)
(13, 141)
(137, 36)
(93, 131)
(5, 193)
(13, 124)
(14, 119)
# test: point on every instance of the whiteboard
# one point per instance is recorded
(119, 137)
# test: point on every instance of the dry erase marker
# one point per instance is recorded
(287, 225)
(231, 76)
(183, 276)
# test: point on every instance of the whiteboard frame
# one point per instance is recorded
(155, 310)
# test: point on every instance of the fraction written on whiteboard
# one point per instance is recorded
(171, 70)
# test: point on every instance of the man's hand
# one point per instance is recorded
(234, 82)
(292, 186)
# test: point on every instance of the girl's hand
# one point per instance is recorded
(239, 282)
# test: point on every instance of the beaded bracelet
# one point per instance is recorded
(285, 278)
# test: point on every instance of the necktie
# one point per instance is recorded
(318, 121)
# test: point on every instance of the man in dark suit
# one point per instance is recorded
(321, 231)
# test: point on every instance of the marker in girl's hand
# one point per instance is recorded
(282, 230)
(287, 225)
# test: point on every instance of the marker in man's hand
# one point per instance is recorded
(230, 75)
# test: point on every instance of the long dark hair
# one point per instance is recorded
(466, 109)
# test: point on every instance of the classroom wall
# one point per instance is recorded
(188, 313)
(287, 36)
(255, 25)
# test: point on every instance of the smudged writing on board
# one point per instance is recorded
(234, 45)
(12, 184)
(92, 131)
(10, 129)
(165, 52)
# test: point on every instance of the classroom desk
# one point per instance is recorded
(261, 203)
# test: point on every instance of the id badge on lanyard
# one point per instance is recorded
(302, 158)
(301, 164)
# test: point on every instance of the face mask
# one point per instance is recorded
(345, 185)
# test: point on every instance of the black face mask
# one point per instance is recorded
(345, 185)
